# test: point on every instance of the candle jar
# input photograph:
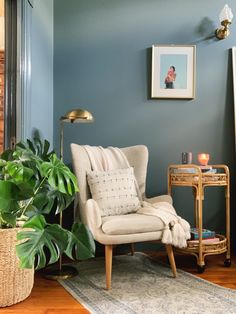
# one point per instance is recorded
(203, 159)
(187, 158)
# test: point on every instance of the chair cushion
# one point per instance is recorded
(114, 191)
(130, 224)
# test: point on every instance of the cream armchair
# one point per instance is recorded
(120, 229)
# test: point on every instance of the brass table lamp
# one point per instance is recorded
(73, 116)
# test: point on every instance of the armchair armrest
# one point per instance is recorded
(92, 215)
(161, 198)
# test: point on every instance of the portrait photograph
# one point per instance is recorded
(173, 71)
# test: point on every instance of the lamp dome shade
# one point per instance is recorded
(78, 115)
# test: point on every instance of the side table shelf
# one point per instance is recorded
(192, 175)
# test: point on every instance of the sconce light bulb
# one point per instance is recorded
(226, 14)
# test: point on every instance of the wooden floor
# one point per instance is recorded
(49, 297)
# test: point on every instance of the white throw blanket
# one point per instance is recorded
(176, 230)
(103, 159)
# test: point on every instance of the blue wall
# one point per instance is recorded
(42, 69)
(102, 62)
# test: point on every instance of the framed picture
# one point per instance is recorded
(234, 86)
(173, 71)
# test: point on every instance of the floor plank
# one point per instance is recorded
(49, 297)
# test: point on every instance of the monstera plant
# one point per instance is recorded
(34, 183)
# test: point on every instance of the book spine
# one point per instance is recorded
(205, 235)
(193, 243)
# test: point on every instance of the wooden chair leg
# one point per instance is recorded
(108, 261)
(132, 248)
(171, 257)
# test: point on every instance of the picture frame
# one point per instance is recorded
(234, 87)
(173, 71)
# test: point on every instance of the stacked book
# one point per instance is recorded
(204, 169)
(208, 236)
(185, 170)
(208, 169)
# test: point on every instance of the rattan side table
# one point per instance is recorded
(193, 176)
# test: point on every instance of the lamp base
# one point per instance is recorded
(56, 273)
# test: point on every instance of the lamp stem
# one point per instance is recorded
(67, 271)
(61, 139)
(61, 158)
(60, 258)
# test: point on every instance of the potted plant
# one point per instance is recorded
(33, 184)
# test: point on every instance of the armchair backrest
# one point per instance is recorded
(136, 155)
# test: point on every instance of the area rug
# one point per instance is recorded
(140, 285)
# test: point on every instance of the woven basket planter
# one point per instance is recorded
(15, 283)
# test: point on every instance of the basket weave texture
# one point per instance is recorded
(15, 283)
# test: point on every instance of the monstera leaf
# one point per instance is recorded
(43, 201)
(80, 240)
(40, 235)
(61, 201)
(59, 176)
(37, 147)
(10, 194)
(7, 220)
(19, 172)
(48, 200)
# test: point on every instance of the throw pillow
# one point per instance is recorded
(114, 191)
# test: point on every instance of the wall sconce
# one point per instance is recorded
(225, 18)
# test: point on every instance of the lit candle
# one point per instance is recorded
(203, 159)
